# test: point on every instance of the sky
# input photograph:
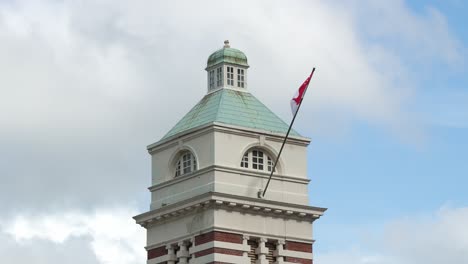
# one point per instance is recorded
(86, 85)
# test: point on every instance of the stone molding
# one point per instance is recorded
(241, 171)
(231, 202)
(294, 254)
(229, 129)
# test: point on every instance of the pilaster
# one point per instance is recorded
(262, 251)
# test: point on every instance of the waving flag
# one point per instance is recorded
(297, 99)
(295, 104)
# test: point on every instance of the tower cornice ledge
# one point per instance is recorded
(241, 171)
(233, 203)
(225, 128)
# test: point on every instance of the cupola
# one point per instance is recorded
(227, 68)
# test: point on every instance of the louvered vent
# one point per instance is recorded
(271, 247)
(252, 255)
(176, 249)
(189, 246)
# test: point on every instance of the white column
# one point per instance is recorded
(245, 245)
(262, 251)
(183, 253)
(171, 255)
(278, 253)
(192, 256)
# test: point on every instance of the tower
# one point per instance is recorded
(207, 172)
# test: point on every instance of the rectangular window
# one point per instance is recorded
(230, 76)
(211, 79)
(240, 78)
(219, 77)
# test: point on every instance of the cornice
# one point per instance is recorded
(230, 129)
(241, 171)
(174, 140)
(252, 132)
(228, 202)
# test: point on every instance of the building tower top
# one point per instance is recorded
(227, 68)
(228, 101)
(206, 173)
(227, 55)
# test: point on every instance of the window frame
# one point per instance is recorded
(258, 159)
(240, 78)
(219, 76)
(230, 75)
(211, 80)
(186, 163)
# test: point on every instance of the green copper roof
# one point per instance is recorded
(227, 54)
(232, 108)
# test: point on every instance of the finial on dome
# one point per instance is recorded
(226, 44)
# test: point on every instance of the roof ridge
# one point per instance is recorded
(231, 107)
(279, 118)
(221, 97)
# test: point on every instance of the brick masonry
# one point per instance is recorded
(233, 238)
(298, 260)
(298, 246)
(218, 236)
(157, 252)
(218, 251)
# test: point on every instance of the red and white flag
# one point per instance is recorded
(297, 99)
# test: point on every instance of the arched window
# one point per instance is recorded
(186, 163)
(257, 159)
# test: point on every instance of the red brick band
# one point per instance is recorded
(218, 236)
(298, 260)
(298, 246)
(225, 251)
(157, 252)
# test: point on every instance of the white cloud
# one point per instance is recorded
(423, 35)
(111, 234)
(86, 85)
(437, 238)
(113, 237)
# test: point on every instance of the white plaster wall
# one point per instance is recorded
(180, 227)
(246, 185)
(226, 149)
(229, 148)
(263, 225)
(163, 160)
(185, 189)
